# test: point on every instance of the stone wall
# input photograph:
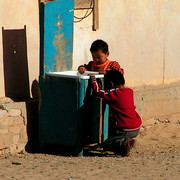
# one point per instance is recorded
(158, 103)
(13, 123)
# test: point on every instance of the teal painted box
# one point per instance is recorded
(63, 120)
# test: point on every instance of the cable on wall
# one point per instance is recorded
(86, 14)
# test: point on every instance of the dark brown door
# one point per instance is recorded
(16, 76)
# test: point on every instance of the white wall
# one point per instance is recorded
(14, 15)
(143, 37)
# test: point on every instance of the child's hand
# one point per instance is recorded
(81, 70)
(92, 76)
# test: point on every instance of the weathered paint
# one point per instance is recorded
(58, 35)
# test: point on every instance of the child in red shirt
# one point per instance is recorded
(125, 122)
(100, 52)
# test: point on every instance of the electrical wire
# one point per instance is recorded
(86, 14)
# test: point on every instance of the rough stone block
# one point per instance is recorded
(3, 131)
(16, 138)
(23, 135)
(4, 151)
(14, 129)
(18, 121)
(21, 146)
(13, 148)
(8, 139)
(3, 113)
(6, 122)
(16, 105)
(14, 112)
(2, 141)
(5, 100)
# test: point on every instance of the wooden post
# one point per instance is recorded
(100, 122)
(95, 16)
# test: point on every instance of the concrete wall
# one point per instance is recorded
(143, 37)
(158, 103)
(14, 15)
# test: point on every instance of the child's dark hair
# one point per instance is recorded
(113, 76)
(99, 45)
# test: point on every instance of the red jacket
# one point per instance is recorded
(122, 103)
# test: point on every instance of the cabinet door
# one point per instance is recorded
(58, 113)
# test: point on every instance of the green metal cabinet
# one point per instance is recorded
(65, 117)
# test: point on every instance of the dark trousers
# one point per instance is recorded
(117, 137)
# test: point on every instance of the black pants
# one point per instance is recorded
(117, 137)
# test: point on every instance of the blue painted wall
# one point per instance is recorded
(56, 23)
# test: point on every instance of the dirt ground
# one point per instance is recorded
(156, 155)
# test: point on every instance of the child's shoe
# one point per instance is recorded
(125, 147)
(131, 142)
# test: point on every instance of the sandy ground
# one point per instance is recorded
(156, 155)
